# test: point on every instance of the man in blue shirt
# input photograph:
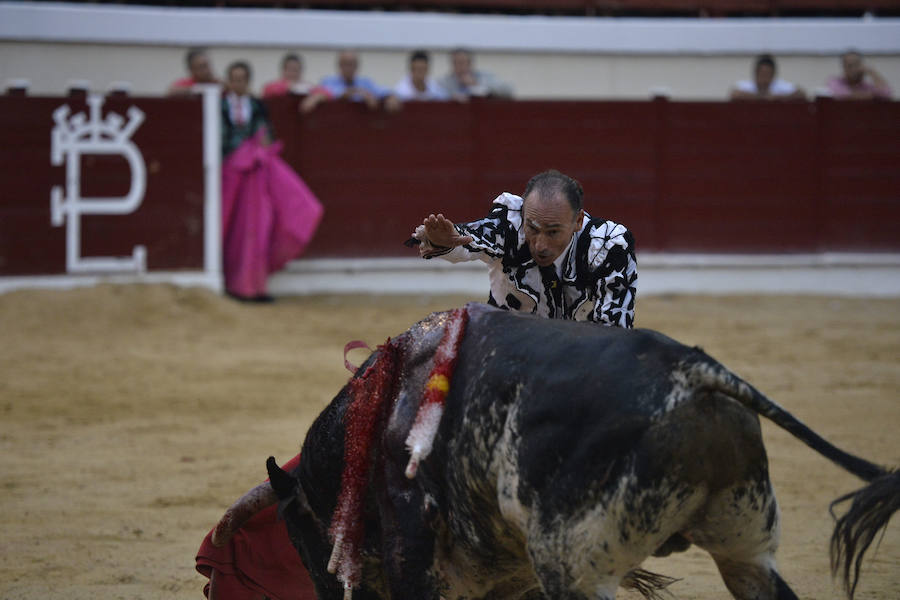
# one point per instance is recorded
(348, 85)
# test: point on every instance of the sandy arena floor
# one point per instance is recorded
(133, 415)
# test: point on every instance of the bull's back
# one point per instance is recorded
(563, 401)
(577, 405)
(576, 375)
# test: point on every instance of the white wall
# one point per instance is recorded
(543, 57)
(150, 69)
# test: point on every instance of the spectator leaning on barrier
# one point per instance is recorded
(765, 85)
(199, 69)
(291, 80)
(417, 85)
(348, 85)
(859, 81)
(464, 81)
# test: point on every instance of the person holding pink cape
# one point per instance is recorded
(269, 215)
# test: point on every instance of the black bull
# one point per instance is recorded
(567, 454)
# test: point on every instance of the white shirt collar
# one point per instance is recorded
(562, 258)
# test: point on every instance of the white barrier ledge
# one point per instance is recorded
(146, 25)
(212, 281)
(830, 274)
(839, 274)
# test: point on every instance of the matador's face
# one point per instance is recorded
(550, 224)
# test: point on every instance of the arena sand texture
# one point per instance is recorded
(132, 416)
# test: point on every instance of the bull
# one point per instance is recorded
(566, 455)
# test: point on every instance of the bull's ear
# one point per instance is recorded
(281, 480)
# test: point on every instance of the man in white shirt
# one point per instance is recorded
(418, 85)
(465, 81)
(764, 85)
(545, 254)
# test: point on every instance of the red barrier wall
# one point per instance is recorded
(684, 176)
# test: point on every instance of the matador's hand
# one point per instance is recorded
(439, 231)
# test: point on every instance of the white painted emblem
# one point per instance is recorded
(72, 137)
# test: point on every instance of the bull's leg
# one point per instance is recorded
(740, 530)
(600, 541)
(557, 584)
(591, 551)
(753, 579)
(576, 560)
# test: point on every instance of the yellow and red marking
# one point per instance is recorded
(431, 409)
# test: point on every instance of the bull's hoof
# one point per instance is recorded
(676, 543)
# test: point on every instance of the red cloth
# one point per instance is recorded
(279, 87)
(282, 87)
(258, 561)
(184, 82)
(269, 216)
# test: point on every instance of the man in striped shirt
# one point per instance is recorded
(545, 254)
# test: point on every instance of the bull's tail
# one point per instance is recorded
(872, 506)
(710, 375)
(870, 511)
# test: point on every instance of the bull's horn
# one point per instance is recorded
(241, 511)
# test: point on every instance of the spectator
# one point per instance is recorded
(764, 85)
(269, 215)
(465, 81)
(418, 85)
(291, 80)
(347, 85)
(242, 114)
(199, 71)
(859, 81)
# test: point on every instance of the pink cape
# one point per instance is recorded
(258, 561)
(269, 216)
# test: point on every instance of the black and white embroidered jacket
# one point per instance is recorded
(593, 280)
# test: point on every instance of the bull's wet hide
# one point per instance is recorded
(676, 543)
(567, 454)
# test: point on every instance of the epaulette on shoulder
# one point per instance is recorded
(584, 274)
